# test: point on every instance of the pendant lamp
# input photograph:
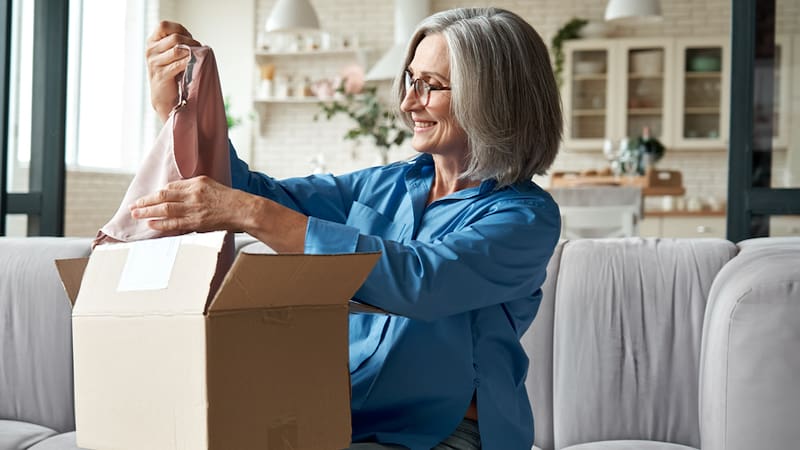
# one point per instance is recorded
(628, 10)
(292, 15)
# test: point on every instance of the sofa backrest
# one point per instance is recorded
(627, 318)
(36, 331)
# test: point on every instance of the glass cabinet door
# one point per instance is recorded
(703, 93)
(780, 128)
(647, 90)
(587, 94)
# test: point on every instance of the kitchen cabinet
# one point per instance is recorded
(678, 87)
(682, 224)
(703, 86)
(614, 87)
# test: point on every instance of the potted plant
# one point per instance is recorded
(373, 119)
(570, 30)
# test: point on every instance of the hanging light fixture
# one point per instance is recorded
(407, 14)
(633, 9)
(292, 15)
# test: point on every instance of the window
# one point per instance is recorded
(763, 192)
(109, 122)
(75, 95)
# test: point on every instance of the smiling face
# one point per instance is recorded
(436, 130)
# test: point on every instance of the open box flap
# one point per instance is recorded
(162, 276)
(356, 307)
(71, 273)
(265, 280)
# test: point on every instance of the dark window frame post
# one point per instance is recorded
(5, 83)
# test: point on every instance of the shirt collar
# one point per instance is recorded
(423, 167)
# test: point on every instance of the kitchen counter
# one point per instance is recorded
(684, 213)
(655, 182)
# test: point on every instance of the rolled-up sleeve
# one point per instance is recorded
(326, 237)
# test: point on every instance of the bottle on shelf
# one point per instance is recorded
(265, 88)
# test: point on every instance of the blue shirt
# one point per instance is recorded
(463, 277)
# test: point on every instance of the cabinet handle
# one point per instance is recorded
(702, 229)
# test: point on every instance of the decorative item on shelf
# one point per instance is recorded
(704, 63)
(647, 62)
(636, 157)
(570, 30)
(373, 119)
(265, 87)
(594, 30)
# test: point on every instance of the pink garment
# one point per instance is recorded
(193, 142)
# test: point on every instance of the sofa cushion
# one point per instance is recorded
(628, 326)
(65, 441)
(16, 435)
(629, 445)
(751, 350)
(35, 331)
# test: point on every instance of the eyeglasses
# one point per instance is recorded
(421, 87)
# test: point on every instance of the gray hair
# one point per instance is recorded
(504, 94)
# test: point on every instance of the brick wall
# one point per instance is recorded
(91, 199)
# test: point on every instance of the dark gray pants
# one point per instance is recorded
(466, 437)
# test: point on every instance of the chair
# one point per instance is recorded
(599, 211)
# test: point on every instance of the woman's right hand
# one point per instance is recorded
(165, 62)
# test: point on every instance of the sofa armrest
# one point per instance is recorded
(750, 361)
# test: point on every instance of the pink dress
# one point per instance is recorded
(193, 142)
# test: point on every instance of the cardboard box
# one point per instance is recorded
(263, 364)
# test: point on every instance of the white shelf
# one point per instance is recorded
(306, 53)
(289, 100)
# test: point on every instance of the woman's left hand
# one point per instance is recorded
(202, 204)
(195, 204)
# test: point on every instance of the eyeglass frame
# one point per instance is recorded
(426, 87)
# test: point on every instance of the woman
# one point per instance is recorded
(465, 234)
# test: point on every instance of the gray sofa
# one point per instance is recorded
(638, 344)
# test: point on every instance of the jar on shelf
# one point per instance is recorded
(282, 86)
(265, 87)
(308, 90)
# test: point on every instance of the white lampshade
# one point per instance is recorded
(633, 9)
(292, 15)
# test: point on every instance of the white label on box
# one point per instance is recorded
(149, 264)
